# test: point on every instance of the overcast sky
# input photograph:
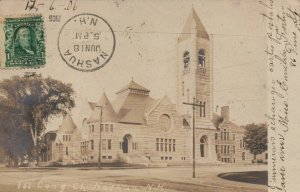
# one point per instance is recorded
(146, 33)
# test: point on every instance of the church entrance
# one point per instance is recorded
(126, 144)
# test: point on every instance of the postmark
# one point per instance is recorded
(24, 42)
(86, 42)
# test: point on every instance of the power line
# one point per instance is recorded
(237, 65)
(247, 100)
(235, 88)
(180, 33)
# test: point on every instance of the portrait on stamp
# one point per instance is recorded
(24, 42)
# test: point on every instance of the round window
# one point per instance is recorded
(165, 122)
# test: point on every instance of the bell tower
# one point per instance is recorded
(194, 73)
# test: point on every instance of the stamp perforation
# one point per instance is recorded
(31, 57)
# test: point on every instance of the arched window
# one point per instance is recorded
(186, 59)
(243, 156)
(201, 58)
(203, 146)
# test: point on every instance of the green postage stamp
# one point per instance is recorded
(24, 42)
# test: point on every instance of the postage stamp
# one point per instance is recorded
(24, 42)
(86, 42)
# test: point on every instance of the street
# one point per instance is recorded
(169, 179)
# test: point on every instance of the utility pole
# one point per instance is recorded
(99, 151)
(194, 104)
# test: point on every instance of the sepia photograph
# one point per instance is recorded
(128, 95)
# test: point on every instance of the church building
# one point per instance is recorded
(136, 128)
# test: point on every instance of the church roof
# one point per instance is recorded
(68, 126)
(129, 107)
(92, 105)
(164, 100)
(133, 86)
(108, 113)
(193, 24)
(133, 116)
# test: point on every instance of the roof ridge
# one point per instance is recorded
(134, 86)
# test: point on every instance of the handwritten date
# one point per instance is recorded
(34, 5)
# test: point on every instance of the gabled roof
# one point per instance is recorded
(108, 113)
(193, 24)
(150, 104)
(68, 126)
(92, 105)
(133, 86)
(234, 127)
(165, 100)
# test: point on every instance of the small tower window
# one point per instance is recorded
(186, 59)
(202, 109)
(182, 88)
(201, 58)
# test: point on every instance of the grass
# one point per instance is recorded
(254, 177)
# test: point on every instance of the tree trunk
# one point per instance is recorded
(36, 155)
(9, 162)
(35, 152)
(15, 160)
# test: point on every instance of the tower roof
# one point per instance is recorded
(108, 113)
(134, 86)
(68, 126)
(193, 24)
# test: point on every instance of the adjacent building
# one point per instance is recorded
(62, 146)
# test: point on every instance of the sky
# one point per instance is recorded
(146, 39)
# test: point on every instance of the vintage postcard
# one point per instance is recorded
(128, 95)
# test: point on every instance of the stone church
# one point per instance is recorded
(136, 128)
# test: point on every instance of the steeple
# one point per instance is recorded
(194, 78)
(193, 25)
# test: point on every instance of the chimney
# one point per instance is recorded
(225, 113)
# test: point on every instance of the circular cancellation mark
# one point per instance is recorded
(86, 42)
